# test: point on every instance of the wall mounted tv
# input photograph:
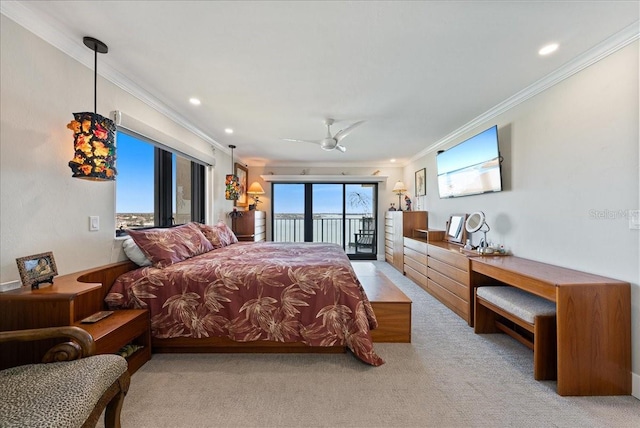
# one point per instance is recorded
(471, 167)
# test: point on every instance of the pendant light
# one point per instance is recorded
(232, 184)
(93, 135)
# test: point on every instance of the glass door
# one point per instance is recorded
(328, 213)
(288, 212)
(360, 218)
(339, 213)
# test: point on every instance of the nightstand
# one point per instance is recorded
(252, 226)
(129, 326)
(66, 302)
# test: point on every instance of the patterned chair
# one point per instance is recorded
(71, 389)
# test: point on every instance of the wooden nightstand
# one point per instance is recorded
(252, 226)
(66, 302)
(119, 329)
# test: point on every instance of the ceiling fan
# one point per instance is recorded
(329, 142)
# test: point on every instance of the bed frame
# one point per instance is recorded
(106, 275)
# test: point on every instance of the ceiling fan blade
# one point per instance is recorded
(303, 141)
(341, 148)
(343, 133)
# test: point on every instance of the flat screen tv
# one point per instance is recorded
(471, 167)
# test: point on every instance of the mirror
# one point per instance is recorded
(475, 222)
(455, 231)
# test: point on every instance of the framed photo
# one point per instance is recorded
(37, 269)
(421, 182)
(241, 172)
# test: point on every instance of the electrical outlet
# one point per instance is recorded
(94, 223)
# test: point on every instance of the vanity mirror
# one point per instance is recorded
(476, 222)
(456, 232)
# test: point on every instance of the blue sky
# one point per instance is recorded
(134, 188)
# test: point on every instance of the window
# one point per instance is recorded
(155, 187)
(340, 213)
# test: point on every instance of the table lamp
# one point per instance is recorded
(399, 189)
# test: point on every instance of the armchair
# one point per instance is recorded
(71, 388)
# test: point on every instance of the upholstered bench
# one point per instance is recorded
(63, 393)
(511, 310)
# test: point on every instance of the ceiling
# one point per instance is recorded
(416, 72)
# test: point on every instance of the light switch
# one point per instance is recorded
(94, 223)
(634, 219)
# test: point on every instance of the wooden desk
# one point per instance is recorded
(593, 321)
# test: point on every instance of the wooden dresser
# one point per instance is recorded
(252, 226)
(397, 225)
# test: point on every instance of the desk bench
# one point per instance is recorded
(509, 310)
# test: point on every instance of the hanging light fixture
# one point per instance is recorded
(232, 184)
(93, 135)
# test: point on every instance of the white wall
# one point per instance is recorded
(570, 155)
(42, 208)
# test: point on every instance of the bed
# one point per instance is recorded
(264, 297)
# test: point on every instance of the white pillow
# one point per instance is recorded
(134, 252)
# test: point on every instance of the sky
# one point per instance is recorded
(135, 186)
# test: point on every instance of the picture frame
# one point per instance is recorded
(421, 182)
(456, 232)
(242, 173)
(37, 269)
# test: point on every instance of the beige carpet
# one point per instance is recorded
(448, 377)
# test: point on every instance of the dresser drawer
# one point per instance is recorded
(416, 276)
(418, 257)
(447, 270)
(453, 302)
(455, 287)
(415, 245)
(415, 264)
(454, 259)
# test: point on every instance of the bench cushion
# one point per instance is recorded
(520, 303)
(56, 394)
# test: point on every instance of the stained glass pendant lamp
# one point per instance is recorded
(232, 184)
(94, 140)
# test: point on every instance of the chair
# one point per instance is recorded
(71, 387)
(366, 237)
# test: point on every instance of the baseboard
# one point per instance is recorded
(6, 286)
(635, 385)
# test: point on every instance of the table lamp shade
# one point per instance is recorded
(94, 147)
(399, 187)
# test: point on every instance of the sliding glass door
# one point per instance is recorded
(339, 213)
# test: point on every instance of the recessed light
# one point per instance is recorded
(392, 160)
(546, 50)
(228, 130)
(195, 101)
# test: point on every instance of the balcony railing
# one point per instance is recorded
(326, 228)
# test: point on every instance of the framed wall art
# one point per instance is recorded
(241, 172)
(421, 182)
(37, 269)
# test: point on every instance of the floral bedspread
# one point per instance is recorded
(285, 292)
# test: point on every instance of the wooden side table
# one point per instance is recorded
(129, 326)
(66, 302)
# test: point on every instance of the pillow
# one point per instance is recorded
(226, 234)
(219, 235)
(165, 247)
(134, 253)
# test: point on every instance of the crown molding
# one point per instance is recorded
(34, 21)
(602, 50)
(335, 178)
